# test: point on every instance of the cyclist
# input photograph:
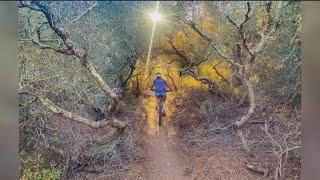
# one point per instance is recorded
(161, 88)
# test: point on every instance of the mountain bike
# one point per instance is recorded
(159, 108)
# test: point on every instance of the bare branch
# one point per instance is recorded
(84, 59)
(51, 47)
(202, 35)
(25, 4)
(264, 35)
(247, 17)
(85, 12)
(71, 50)
(52, 21)
(231, 21)
(219, 74)
(267, 31)
(179, 53)
(213, 87)
(94, 124)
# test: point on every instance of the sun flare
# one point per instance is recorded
(155, 16)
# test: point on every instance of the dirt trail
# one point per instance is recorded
(189, 157)
(182, 152)
(162, 161)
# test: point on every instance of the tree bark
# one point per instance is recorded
(244, 141)
(239, 124)
(93, 124)
(247, 82)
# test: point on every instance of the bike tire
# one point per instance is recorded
(160, 116)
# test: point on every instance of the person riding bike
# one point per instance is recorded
(161, 88)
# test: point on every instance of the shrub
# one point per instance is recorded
(209, 110)
(34, 168)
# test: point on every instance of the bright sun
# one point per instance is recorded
(155, 16)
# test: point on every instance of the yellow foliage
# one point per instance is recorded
(180, 41)
(207, 24)
(254, 78)
(206, 69)
(188, 81)
(235, 90)
(163, 41)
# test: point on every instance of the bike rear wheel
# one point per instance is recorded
(161, 100)
(160, 115)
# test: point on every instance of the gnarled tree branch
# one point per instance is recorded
(85, 12)
(82, 55)
(204, 36)
(93, 124)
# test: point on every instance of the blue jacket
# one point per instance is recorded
(160, 85)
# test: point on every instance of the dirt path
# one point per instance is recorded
(181, 149)
(191, 156)
(162, 161)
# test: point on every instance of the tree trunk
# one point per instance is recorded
(243, 141)
(239, 124)
(252, 107)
